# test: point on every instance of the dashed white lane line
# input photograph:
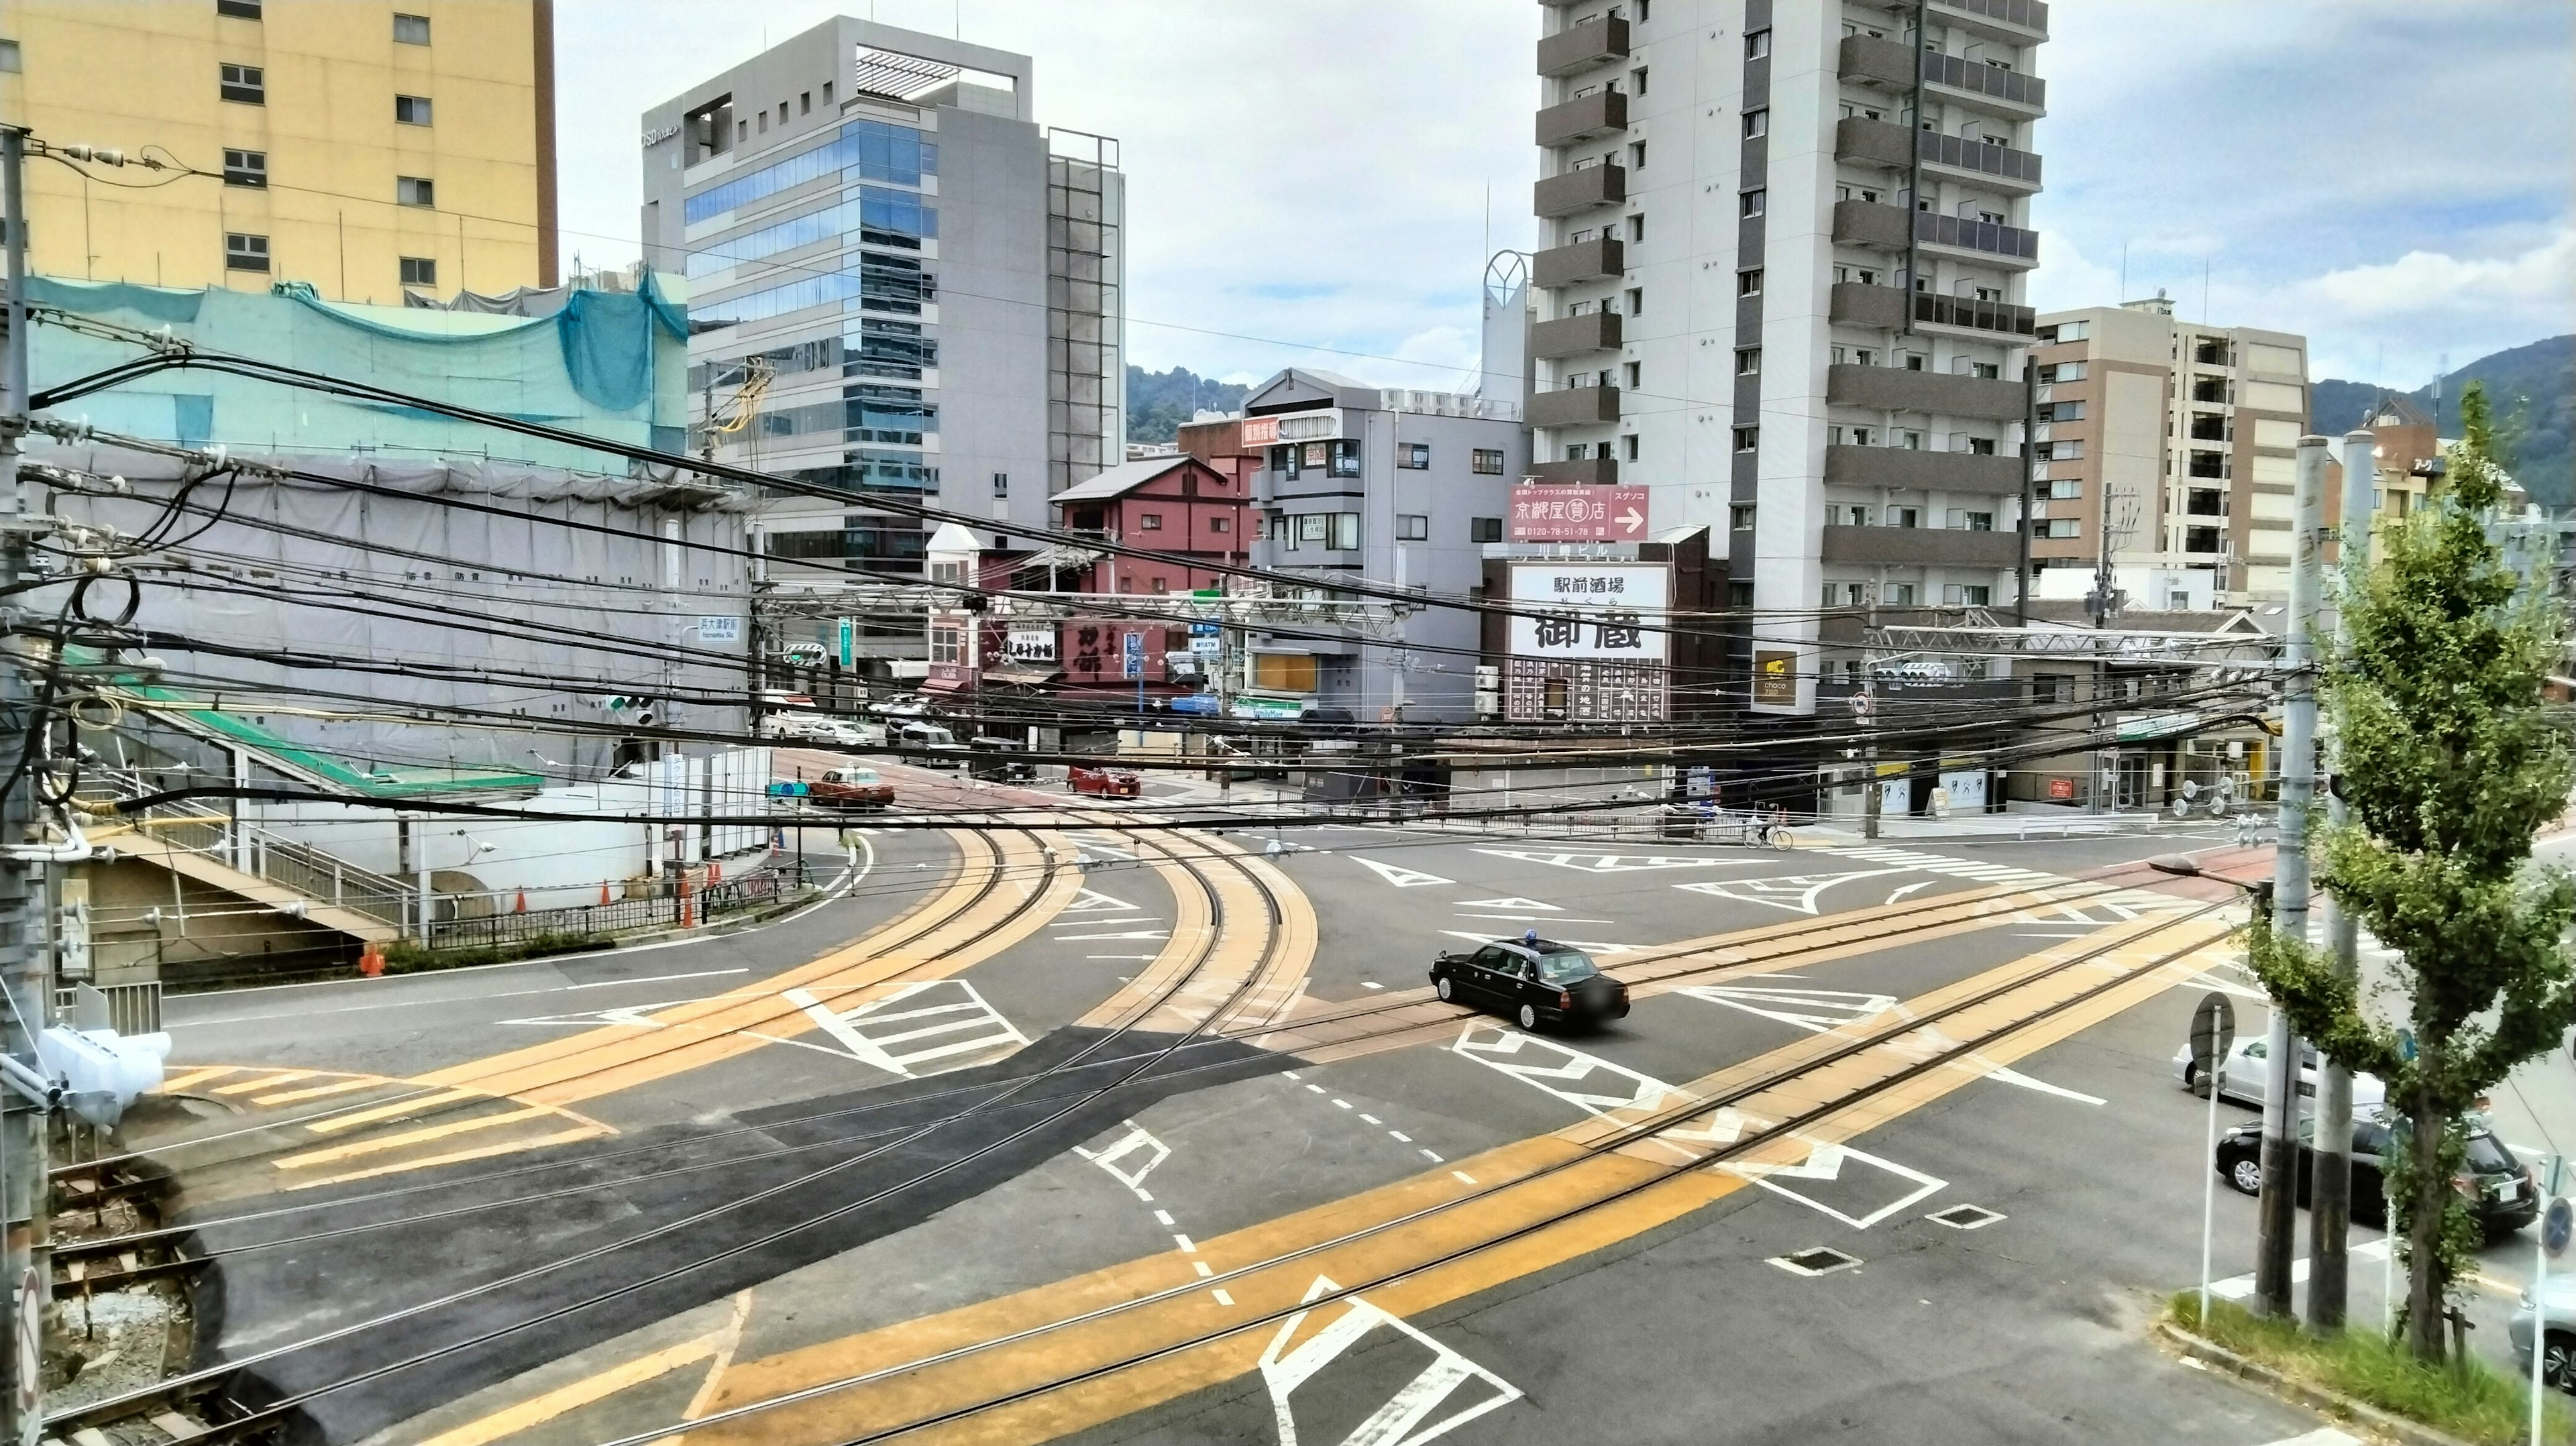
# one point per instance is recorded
(1183, 1242)
(1163, 1218)
(1433, 1156)
(1401, 1135)
(1341, 1104)
(1372, 1119)
(1463, 1177)
(1364, 984)
(1221, 1297)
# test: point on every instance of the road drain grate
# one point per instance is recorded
(1966, 1217)
(1815, 1260)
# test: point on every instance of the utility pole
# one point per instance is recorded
(2330, 1188)
(2277, 1204)
(26, 974)
(1870, 801)
(2099, 604)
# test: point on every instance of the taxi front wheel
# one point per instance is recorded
(1529, 1016)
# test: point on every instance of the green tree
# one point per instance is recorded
(2450, 763)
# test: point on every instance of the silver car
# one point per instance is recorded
(2246, 1074)
(2558, 1363)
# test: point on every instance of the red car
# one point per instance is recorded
(1107, 782)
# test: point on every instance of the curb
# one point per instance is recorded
(2332, 1403)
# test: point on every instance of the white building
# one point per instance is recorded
(1725, 266)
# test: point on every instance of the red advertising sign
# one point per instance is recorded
(1557, 513)
(1260, 431)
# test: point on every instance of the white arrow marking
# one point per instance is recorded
(1530, 905)
(1093, 899)
(1398, 874)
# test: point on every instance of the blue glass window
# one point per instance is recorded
(775, 301)
(875, 150)
(886, 218)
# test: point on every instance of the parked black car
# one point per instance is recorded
(2499, 1188)
(1535, 981)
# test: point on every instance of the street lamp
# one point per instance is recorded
(2276, 1207)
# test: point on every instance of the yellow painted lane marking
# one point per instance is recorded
(381, 1143)
(716, 1345)
(409, 1105)
(281, 1077)
(507, 1147)
(316, 1092)
(1519, 1196)
(195, 1077)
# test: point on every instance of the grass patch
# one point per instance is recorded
(2471, 1399)
(408, 957)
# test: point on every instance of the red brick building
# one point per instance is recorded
(1176, 504)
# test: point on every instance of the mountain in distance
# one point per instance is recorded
(2533, 390)
(1158, 402)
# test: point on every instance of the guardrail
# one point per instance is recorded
(131, 1008)
(263, 853)
(660, 910)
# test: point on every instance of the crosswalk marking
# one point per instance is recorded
(934, 1013)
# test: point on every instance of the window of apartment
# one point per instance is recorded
(420, 271)
(411, 30)
(1314, 527)
(238, 9)
(2061, 527)
(1162, 584)
(1216, 524)
(1905, 517)
(2070, 411)
(1757, 43)
(1746, 437)
(1748, 282)
(1911, 441)
(1978, 446)
(1900, 594)
(764, 121)
(1991, 218)
(1847, 515)
(411, 110)
(1413, 456)
(1748, 360)
(1485, 529)
(415, 191)
(1412, 527)
(1740, 517)
(1990, 371)
(804, 102)
(1637, 227)
(12, 60)
(1963, 520)
(947, 645)
(1636, 301)
(1750, 203)
(1637, 77)
(1001, 484)
(742, 129)
(2061, 489)
(245, 253)
(2052, 688)
(1346, 531)
(247, 84)
(1628, 444)
(1636, 155)
(2071, 371)
(1757, 123)
(1346, 458)
(2063, 331)
(246, 168)
(1487, 462)
(1635, 371)
(1149, 522)
(1284, 459)
(1990, 293)
(1965, 594)
(1916, 361)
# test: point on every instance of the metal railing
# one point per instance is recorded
(1995, 316)
(261, 852)
(131, 1008)
(2028, 14)
(660, 910)
(1993, 80)
(1934, 229)
(1964, 154)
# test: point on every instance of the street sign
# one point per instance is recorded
(1207, 630)
(719, 628)
(1207, 647)
(1133, 656)
(849, 642)
(1557, 512)
(1860, 705)
(2555, 1226)
(1195, 703)
(2213, 1034)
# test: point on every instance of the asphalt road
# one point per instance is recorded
(797, 1205)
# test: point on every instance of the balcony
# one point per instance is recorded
(1986, 87)
(1882, 64)
(1922, 471)
(1858, 138)
(1594, 260)
(1868, 223)
(1580, 190)
(1583, 117)
(2014, 22)
(1574, 407)
(1570, 335)
(2000, 167)
(1988, 320)
(1580, 47)
(1988, 241)
(1922, 546)
(1598, 471)
(1857, 303)
(1896, 389)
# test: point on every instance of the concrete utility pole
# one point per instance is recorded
(2330, 1189)
(25, 968)
(2277, 1205)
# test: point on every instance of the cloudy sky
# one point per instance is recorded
(1309, 182)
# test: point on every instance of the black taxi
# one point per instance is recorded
(1535, 981)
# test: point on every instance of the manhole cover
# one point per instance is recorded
(1966, 1217)
(1815, 1260)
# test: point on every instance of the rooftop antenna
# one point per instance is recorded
(2124, 270)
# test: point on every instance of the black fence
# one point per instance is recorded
(618, 916)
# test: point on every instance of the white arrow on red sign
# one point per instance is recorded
(1631, 520)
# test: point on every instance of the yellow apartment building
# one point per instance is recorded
(364, 146)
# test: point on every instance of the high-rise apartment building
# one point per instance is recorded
(1782, 264)
(365, 147)
(920, 285)
(2170, 444)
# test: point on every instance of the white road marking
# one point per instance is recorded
(1398, 874)
(1511, 902)
(2322, 1436)
(1552, 919)
(2238, 1287)
(934, 1009)
(1131, 934)
(1614, 863)
(1589, 946)
(1365, 984)
(1797, 893)
(1825, 1162)
(1372, 1119)
(1137, 1138)
(1163, 1218)
(1183, 1242)
(1399, 1422)
(1221, 1297)
(1818, 1010)
(1463, 1177)
(1910, 888)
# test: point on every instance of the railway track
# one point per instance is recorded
(258, 1395)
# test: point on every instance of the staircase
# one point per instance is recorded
(254, 863)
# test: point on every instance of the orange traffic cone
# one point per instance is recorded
(371, 960)
(603, 893)
(715, 872)
(523, 903)
(687, 914)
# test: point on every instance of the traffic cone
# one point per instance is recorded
(687, 915)
(522, 906)
(603, 892)
(715, 872)
(371, 960)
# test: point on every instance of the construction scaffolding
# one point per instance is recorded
(1086, 311)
